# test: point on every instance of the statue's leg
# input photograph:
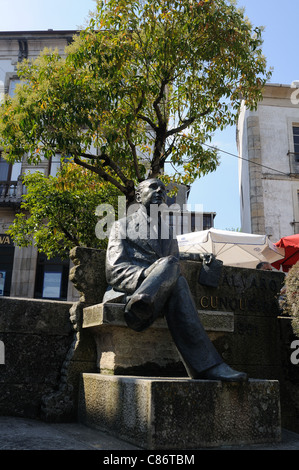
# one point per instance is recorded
(166, 290)
(195, 347)
(147, 303)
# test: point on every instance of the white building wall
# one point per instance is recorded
(276, 139)
(268, 190)
(278, 208)
(244, 191)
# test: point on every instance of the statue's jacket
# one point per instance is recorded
(134, 246)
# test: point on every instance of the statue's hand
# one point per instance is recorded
(207, 258)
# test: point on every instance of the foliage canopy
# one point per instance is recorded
(147, 82)
(58, 213)
(292, 296)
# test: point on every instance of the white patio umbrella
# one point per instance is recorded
(238, 249)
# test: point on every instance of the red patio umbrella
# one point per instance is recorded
(291, 246)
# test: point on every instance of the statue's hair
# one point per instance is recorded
(143, 183)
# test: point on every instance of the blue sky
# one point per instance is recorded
(218, 191)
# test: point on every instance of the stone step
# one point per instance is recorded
(178, 413)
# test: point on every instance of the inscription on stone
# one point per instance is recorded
(240, 291)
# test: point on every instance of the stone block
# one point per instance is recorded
(88, 273)
(37, 336)
(156, 413)
(121, 350)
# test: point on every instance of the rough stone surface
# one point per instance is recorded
(156, 413)
(249, 295)
(37, 336)
(261, 341)
(46, 348)
(88, 274)
(121, 350)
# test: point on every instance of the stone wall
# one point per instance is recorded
(47, 350)
(261, 341)
(251, 295)
(36, 336)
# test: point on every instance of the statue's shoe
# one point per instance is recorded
(224, 373)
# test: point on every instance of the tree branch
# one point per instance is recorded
(73, 239)
(130, 142)
(168, 152)
(149, 121)
(108, 162)
(185, 124)
(134, 153)
(102, 174)
(158, 101)
(180, 128)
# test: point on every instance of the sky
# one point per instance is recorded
(219, 191)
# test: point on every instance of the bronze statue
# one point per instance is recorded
(144, 267)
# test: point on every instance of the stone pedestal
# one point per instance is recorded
(121, 350)
(169, 413)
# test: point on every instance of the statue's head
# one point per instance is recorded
(151, 191)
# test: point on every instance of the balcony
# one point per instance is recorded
(294, 162)
(295, 226)
(11, 192)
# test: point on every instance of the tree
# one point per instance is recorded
(291, 305)
(58, 213)
(147, 82)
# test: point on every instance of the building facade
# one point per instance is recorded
(25, 272)
(268, 148)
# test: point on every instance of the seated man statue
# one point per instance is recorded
(145, 267)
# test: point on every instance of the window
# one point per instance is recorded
(5, 175)
(55, 164)
(5, 170)
(51, 278)
(293, 153)
(296, 142)
(12, 86)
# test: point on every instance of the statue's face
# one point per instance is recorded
(152, 192)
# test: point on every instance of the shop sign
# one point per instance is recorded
(5, 239)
